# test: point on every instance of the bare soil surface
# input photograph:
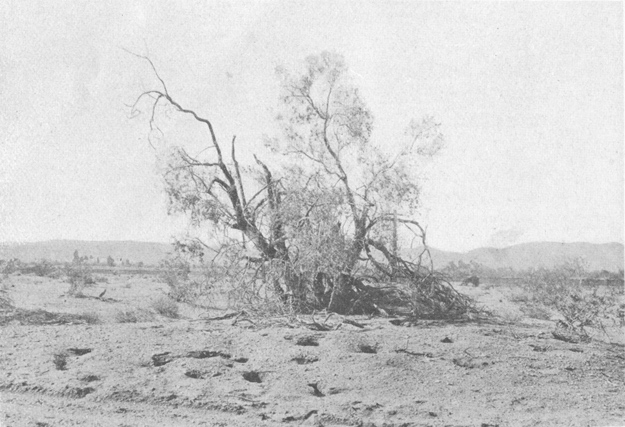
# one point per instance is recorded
(510, 371)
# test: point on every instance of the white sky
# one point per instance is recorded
(530, 97)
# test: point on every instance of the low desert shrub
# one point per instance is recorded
(521, 297)
(6, 302)
(167, 307)
(90, 317)
(176, 275)
(580, 303)
(60, 360)
(11, 266)
(536, 311)
(100, 279)
(79, 276)
(132, 316)
(44, 268)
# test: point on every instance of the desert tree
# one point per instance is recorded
(327, 126)
(328, 215)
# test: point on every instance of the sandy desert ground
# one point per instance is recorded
(506, 371)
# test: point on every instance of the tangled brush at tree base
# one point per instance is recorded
(425, 297)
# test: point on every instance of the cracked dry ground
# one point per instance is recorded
(188, 373)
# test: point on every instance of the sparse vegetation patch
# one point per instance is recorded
(133, 316)
(60, 360)
(580, 303)
(165, 306)
(79, 276)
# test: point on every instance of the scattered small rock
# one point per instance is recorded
(307, 340)
(241, 359)
(194, 373)
(79, 351)
(447, 340)
(162, 358)
(466, 362)
(252, 376)
(305, 360)
(367, 348)
(81, 392)
(89, 378)
(316, 391)
(205, 354)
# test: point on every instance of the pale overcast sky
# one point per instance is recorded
(529, 95)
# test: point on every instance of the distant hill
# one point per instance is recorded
(606, 256)
(149, 253)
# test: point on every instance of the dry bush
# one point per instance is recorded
(8, 267)
(433, 297)
(176, 274)
(133, 316)
(90, 318)
(60, 360)
(536, 311)
(6, 302)
(165, 306)
(423, 296)
(79, 276)
(100, 279)
(581, 303)
(521, 297)
(44, 268)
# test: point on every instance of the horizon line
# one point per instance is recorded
(17, 243)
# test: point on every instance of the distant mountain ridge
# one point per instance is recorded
(601, 256)
(604, 256)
